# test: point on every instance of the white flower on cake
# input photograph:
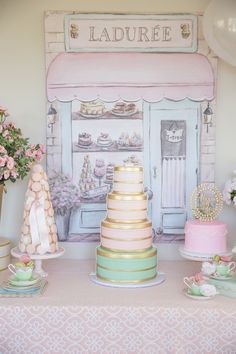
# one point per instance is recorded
(208, 268)
(208, 290)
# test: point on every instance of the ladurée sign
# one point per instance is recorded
(110, 33)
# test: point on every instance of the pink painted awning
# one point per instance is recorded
(130, 76)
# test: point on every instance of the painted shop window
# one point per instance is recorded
(112, 102)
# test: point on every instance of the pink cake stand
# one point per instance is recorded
(38, 258)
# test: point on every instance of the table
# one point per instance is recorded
(77, 316)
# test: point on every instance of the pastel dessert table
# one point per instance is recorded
(75, 315)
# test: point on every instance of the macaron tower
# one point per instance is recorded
(39, 231)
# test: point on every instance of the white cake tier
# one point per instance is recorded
(127, 187)
(126, 174)
(126, 236)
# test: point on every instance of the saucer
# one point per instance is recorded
(221, 277)
(197, 297)
(33, 280)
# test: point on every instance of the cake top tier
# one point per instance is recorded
(128, 168)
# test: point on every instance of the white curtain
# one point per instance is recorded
(173, 182)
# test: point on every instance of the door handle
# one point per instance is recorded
(154, 172)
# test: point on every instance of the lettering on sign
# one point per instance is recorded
(93, 32)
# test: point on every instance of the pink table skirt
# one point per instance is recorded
(77, 316)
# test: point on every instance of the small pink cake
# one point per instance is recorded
(208, 237)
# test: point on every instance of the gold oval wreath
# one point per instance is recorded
(207, 212)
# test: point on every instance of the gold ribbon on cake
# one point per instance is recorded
(126, 221)
(128, 168)
(122, 196)
(125, 281)
(122, 270)
(143, 225)
(126, 239)
(146, 254)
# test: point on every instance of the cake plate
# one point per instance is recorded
(160, 278)
(201, 257)
(38, 258)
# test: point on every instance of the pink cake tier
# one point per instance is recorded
(124, 208)
(205, 237)
(126, 236)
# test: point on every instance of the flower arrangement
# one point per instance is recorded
(64, 193)
(229, 192)
(16, 153)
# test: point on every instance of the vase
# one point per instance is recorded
(63, 224)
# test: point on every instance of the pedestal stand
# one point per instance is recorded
(38, 258)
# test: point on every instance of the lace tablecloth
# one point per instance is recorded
(77, 316)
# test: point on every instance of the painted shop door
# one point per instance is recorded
(171, 148)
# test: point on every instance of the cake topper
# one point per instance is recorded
(206, 202)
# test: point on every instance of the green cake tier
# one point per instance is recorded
(126, 267)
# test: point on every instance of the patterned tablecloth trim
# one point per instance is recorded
(114, 329)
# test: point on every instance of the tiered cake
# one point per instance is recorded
(126, 254)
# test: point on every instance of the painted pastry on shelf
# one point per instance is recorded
(84, 139)
(109, 173)
(130, 141)
(39, 231)
(86, 182)
(104, 140)
(99, 170)
(92, 109)
(124, 109)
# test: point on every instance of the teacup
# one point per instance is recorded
(21, 273)
(194, 288)
(224, 269)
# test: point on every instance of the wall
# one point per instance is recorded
(22, 91)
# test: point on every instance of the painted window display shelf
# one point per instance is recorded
(76, 315)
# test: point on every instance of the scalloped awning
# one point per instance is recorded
(130, 76)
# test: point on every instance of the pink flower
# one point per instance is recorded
(225, 258)
(14, 174)
(3, 111)
(28, 153)
(2, 161)
(39, 155)
(10, 163)
(6, 174)
(2, 150)
(42, 148)
(25, 258)
(198, 277)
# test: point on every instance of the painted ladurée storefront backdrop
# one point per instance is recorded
(127, 87)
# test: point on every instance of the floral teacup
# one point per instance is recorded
(224, 269)
(193, 287)
(201, 288)
(21, 273)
